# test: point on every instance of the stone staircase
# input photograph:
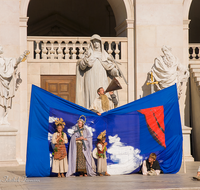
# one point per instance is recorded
(195, 74)
(195, 106)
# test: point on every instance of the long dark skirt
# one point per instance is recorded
(80, 158)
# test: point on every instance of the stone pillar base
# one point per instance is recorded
(9, 163)
(186, 143)
(8, 146)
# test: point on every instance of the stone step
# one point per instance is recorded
(198, 83)
(195, 66)
(197, 79)
(195, 70)
(196, 74)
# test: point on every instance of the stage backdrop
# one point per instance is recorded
(150, 124)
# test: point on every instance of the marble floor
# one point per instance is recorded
(12, 178)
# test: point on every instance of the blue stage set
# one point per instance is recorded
(150, 124)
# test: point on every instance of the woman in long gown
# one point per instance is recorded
(80, 159)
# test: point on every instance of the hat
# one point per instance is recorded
(60, 122)
(101, 135)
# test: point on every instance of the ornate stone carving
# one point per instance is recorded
(9, 83)
(167, 70)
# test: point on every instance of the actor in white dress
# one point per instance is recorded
(101, 154)
(93, 70)
(59, 138)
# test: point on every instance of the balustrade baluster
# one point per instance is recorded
(52, 51)
(59, 50)
(81, 51)
(44, 50)
(198, 53)
(48, 54)
(193, 53)
(37, 50)
(66, 50)
(117, 50)
(109, 47)
(74, 50)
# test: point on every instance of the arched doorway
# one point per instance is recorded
(70, 18)
(123, 11)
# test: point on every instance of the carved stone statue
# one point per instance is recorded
(9, 83)
(93, 72)
(167, 70)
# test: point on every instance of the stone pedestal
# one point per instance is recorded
(186, 143)
(8, 146)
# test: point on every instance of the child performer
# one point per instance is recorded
(151, 165)
(101, 154)
(59, 138)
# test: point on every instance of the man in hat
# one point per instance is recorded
(103, 103)
(93, 70)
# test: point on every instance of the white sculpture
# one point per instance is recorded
(93, 70)
(167, 70)
(9, 83)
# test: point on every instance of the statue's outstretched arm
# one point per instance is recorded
(22, 57)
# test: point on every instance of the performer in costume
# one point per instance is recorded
(103, 103)
(80, 159)
(101, 154)
(151, 166)
(59, 138)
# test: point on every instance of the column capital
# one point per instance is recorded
(126, 24)
(23, 21)
(186, 24)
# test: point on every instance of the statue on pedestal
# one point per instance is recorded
(93, 71)
(167, 70)
(9, 83)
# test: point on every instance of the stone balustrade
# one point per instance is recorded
(194, 64)
(72, 48)
(194, 53)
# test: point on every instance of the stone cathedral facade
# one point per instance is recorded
(58, 32)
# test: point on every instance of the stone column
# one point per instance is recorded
(131, 69)
(126, 28)
(22, 135)
(184, 100)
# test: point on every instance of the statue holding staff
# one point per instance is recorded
(167, 70)
(9, 83)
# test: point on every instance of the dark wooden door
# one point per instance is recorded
(63, 86)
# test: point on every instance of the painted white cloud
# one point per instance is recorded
(52, 119)
(127, 158)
